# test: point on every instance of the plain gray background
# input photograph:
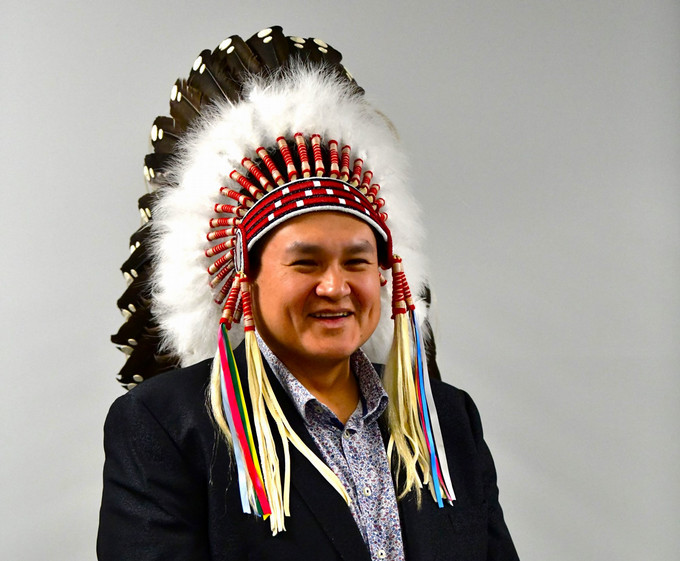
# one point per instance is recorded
(545, 140)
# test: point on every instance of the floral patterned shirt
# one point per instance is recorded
(354, 451)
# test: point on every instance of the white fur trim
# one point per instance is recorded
(306, 100)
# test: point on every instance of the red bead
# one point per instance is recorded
(356, 172)
(257, 174)
(287, 158)
(230, 209)
(373, 190)
(271, 166)
(366, 181)
(222, 274)
(335, 160)
(221, 261)
(319, 168)
(302, 153)
(221, 234)
(243, 182)
(220, 248)
(219, 222)
(344, 162)
(243, 200)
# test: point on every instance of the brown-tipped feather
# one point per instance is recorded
(270, 46)
(164, 135)
(207, 77)
(155, 165)
(216, 75)
(137, 294)
(237, 60)
(185, 103)
(135, 327)
(143, 362)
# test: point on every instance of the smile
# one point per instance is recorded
(331, 315)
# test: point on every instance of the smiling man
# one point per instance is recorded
(317, 300)
(281, 219)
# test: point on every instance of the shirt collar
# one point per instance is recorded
(373, 396)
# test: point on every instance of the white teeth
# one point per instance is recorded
(331, 315)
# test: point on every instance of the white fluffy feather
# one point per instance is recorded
(303, 99)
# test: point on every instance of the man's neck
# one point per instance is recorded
(335, 386)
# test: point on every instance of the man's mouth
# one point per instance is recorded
(330, 315)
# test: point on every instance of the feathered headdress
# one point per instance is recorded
(261, 131)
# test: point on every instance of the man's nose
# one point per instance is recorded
(333, 283)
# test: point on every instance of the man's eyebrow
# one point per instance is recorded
(362, 246)
(306, 248)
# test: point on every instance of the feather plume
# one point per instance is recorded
(240, 96)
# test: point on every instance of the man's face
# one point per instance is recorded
(316, 295)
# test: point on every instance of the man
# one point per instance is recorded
(300, 453)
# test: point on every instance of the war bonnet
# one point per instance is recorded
(262, 131)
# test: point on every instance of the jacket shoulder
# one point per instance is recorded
(189, 379)
(456, 408)
(176, 401)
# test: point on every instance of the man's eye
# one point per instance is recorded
(303, 263)
(358, 262)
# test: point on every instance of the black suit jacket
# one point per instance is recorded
(170, 493)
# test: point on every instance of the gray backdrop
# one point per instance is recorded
(545, 138)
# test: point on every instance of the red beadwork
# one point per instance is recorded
(356, 172)
(302, 153)
(220, 234)
(230, 209)
(220, 248)
(243, 200)
(257, 174)
(287, 158)
(230, 304)
(333, 150)
(222, 293)
(248, 324)
(222, 274)
(366, 181)
(404, 289)
(254, 190)
(221, 261)
(398, 304)
(373, 192)
(271, 166)
(222, 269)
(344, 162)
(319, 168)
(398, 296)
(219, 222)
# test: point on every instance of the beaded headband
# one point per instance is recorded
(261, 208)
(278, 127)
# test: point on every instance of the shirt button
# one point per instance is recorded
(367, 493)
(381, 554)
(346, 434)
